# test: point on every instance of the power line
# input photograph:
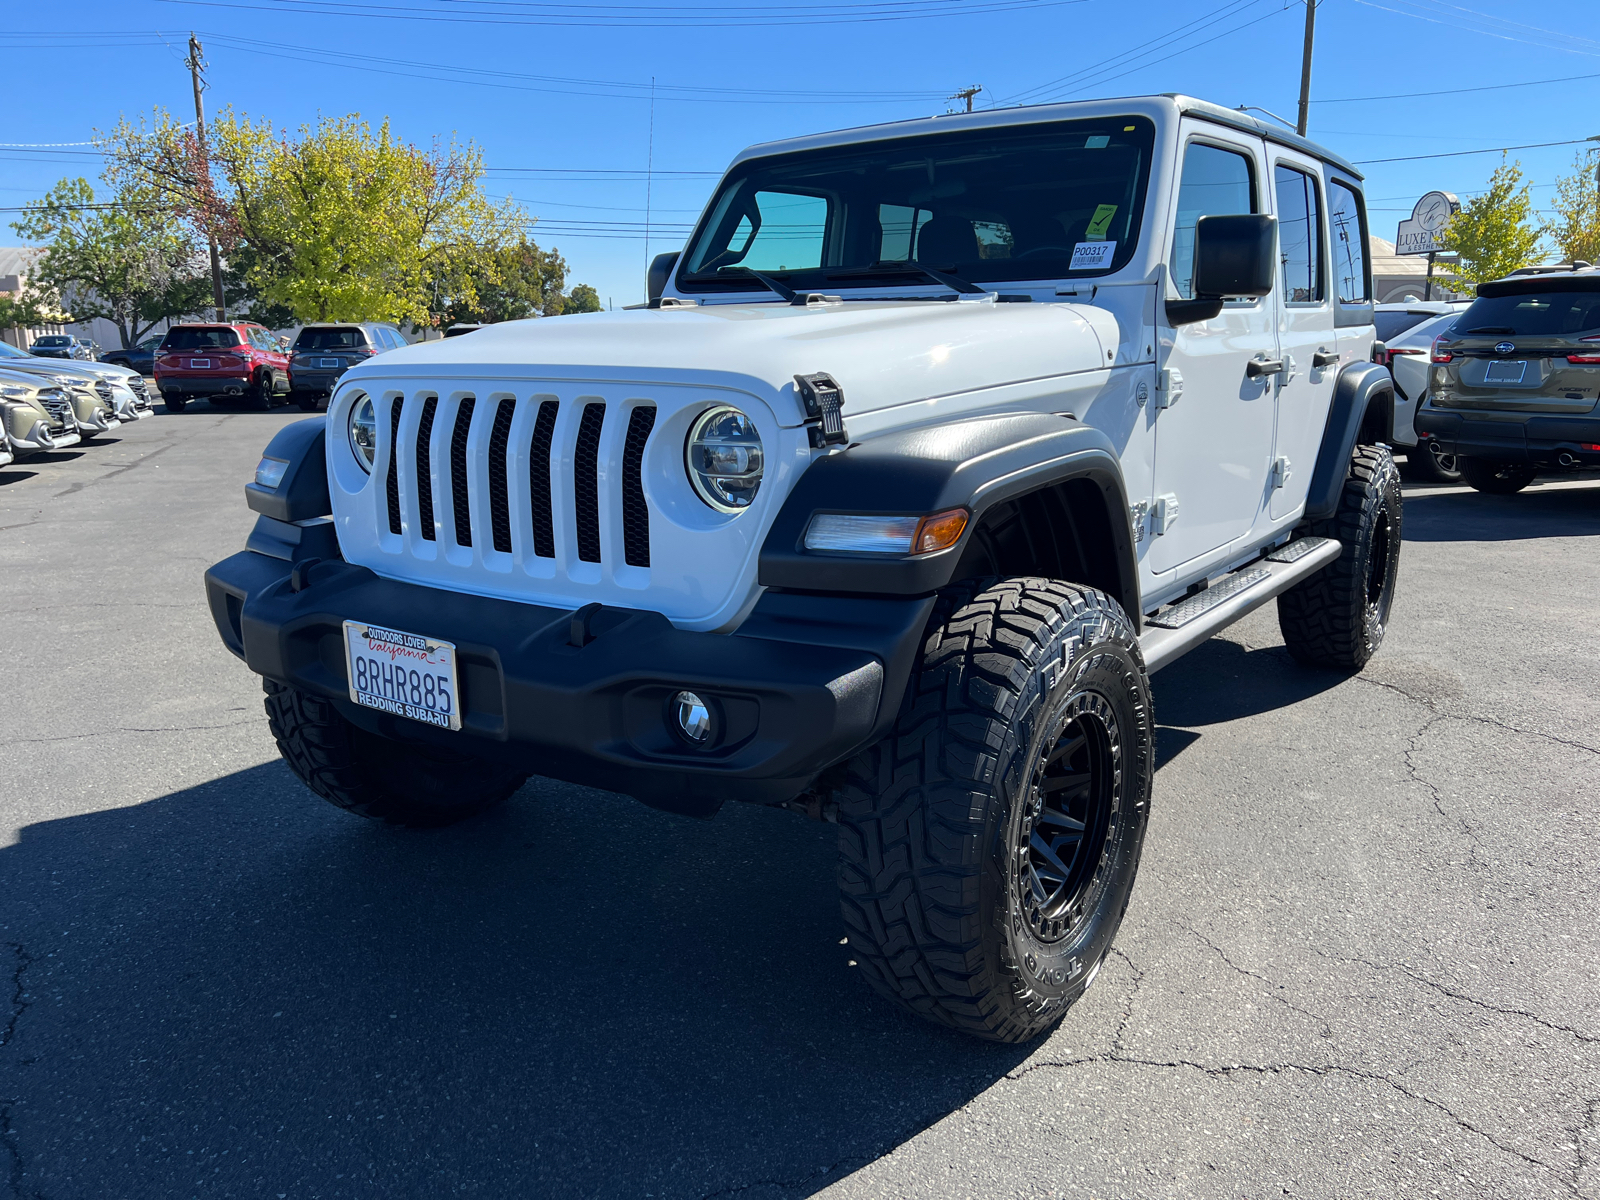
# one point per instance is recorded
(1489, 87)
(1367, 162)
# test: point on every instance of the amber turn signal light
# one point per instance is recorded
(940, 531)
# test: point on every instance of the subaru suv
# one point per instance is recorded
(322, 353)
(236, 360)
(1516, 378)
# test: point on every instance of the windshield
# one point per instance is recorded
(1041, 201)
(201, 337)
(349, 338)
(54, 341)
(1531, 314)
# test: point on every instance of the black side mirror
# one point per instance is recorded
(1234, 255)
(655, 280)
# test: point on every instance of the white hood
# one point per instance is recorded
(882, 353)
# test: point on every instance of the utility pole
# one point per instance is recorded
(967, 93)
(196, 65)
(1305, 67)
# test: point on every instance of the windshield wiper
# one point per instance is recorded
(954, 282)
(783, 289)
(1491, 329)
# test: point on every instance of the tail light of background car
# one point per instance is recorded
(1437, 355)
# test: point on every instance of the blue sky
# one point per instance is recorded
(558, 96)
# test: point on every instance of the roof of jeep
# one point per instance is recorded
(1034, 113)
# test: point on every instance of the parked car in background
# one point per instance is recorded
(1407, 332)
(129, 395)
(37, 414)
(461, 330)
(61, 345)
(323, 352)
(213, 361)
(1516, 379)
(140, 358)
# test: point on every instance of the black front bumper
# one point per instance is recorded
(1511, 437)
(806, 681)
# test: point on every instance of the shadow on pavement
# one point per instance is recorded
(1223, 681)
(1469, 516)
(12, 475)
(238, 990)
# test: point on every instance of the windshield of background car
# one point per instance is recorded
(1532, 314)
(1392, 324)
(200, 337)
(7, 350)
(331, 339)
(54, 341)
(1042, 201)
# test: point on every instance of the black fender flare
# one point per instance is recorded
(974, 464)
(1356, 389)
(302, 493)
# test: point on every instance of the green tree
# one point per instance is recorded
(36, 306)
(1576, 228)
(1491, 233)
(518, 281)
(582, 299)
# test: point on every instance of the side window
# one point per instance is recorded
(897, 228)
(1299, 235)
(1215, 182)
(1348, 239)
(790, 235)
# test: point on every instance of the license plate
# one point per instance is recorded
(1505, 372)
(403, 673)
(199, 362)
(329, 362)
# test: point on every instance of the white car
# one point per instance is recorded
(1407, 332)
(125, 391)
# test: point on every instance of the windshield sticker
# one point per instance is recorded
(1098, 142)
(1089, 256)
(1099, 223)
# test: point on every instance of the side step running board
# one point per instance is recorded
(1175, 631)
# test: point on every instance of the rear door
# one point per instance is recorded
(1214, 440)
(1306, 333)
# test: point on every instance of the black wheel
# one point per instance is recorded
(1426, 463)
(1337, 617)
(175, 404)
(403, 783)
(988, 845)
(306, 402)
(1497, 478)
(260, 396)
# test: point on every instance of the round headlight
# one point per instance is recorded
(724, 459)
(364, 432)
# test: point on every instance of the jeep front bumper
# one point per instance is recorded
(805, 681)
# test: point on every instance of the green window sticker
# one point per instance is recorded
(1099, 223)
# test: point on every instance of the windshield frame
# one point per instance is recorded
(849, 277)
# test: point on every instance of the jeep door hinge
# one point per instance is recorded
(824, 401)
(1139, 519)
(1280, 472)
(1165, 514)
(1170, 386)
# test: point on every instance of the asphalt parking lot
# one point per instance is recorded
(1361, 958)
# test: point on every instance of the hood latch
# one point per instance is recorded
(824, 401)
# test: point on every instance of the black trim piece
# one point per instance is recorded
(586, 481)
(544, 527)
(392, 484)
(1359, 385)
(1347, 316)
(459, 494)
(424, 467)
(975, 464)
(499, 491)
(1187, 312)
(302, 493)
(635, 512)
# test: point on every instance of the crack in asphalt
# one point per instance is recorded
(1443, 990)
(178, 440)
(1327, 1030)
(19, 1000)
(76, 737)
(1591, 1119)
(1415, 775)
(1476, 718)
(19, 1005)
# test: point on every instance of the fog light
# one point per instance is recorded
(693, 716)
(269, 473)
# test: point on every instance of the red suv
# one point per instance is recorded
(239, 359)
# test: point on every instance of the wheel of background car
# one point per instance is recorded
(306, 402)
(988, 845)
(260, 397)
(1496, 478)
(1044, 250)
(175, 403)
(1337, 617)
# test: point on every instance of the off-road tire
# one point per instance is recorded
(1497, 478)
(1337, 617)
(935, 821)
(1425, 464)
(404, 783)
(175, 404)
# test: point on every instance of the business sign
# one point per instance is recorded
(1424, 232)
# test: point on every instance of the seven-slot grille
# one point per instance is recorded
(479, 491)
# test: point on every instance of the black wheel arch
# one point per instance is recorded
(1045, 493)
(1362, 413)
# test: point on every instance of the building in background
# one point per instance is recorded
(1397, 278)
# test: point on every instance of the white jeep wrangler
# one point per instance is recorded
(937, 439)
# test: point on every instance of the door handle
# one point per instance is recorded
(1322, 359)
(1258, 367)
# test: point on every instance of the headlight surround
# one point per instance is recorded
(724, 459)
(364, 432)
(14, 391)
